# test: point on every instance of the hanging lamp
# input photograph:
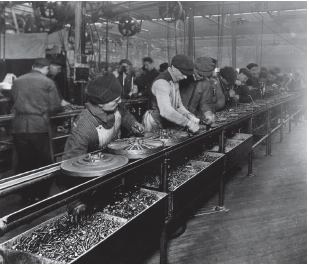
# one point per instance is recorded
(240, 20)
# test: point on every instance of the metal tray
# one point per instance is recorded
(112, 249)
(184, 194)
(243, 147)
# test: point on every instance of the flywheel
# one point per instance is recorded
(169, 136)
(91, 165)
(135, 148)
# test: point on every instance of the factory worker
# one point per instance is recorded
(95, 127)
(165, 106)
(271, 83)
(35, 99)
(224, 83)
(126, 79)
(144, 81)
(254, 69)
(196, 92)
(295, 83)
(245, 88)
(100, 122)
(163, 67)
(55, 73)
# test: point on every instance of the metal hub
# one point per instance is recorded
(91, 165)
(135, 148)
(169, 136)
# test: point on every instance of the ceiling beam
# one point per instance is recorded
(211, 8)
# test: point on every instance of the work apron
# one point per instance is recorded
(107, 135)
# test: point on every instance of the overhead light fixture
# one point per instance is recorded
(241, 20)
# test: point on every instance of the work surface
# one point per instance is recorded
(267, 221)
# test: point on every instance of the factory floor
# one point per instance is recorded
(267, 218)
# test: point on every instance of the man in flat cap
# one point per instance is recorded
(55, 73)
(126, 79)
(245, 88)
(165, 105)
(225, 82)
(97, 126)
(144, 81)
(254, 69)
(197, 93)
(35, 99)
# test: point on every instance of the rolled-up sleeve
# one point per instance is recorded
(161, 89)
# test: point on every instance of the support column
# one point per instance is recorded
(281, 122)
(191, 33)
(221, 150)
(149, 49)
(250, 153)
(234, 42)
(164, 188)
(78, 25)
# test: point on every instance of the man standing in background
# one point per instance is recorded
(35, 99)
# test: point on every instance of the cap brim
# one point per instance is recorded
(204, 73)
(186, 72)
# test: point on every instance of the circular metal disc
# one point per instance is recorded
(91, 165)
(170, 137)
(135, 148)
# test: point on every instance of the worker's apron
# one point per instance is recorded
(107, 135)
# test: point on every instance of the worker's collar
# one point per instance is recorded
(96, 111)
(173, 77)
(37, 71)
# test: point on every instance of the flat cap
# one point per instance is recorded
(183, 63)
(42, 62)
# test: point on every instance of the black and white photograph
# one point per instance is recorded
(153, 132)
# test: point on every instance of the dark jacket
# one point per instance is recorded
(256, 82)
(243, 91)
(84, 137)
(126, 85)
(35, 99)
(144, 82)
(221, 96)
(197, 96)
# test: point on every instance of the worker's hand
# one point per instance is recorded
(137, 128)
(274, 86)
(193, 118)
(236, 97)
(64, 103)
(135, 95)
(77, 208)
(209, 117)
(232, 93)
(238, 82)
(196, 76)
(193, 127)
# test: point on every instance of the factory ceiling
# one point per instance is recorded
(268, 18)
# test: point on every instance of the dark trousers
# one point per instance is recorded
(33, 151)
